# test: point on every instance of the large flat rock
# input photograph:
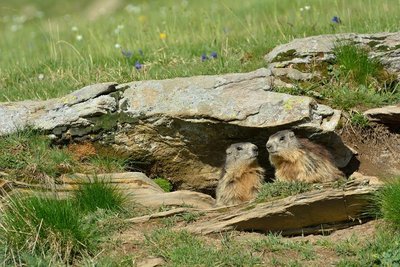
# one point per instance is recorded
(179, 128)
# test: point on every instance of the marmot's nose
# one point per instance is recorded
(268, 146)
(255, 149)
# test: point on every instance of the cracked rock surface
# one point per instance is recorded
(180, 127)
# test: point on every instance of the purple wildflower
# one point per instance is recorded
(204, 57)
(127, 53)
(138, 66)
(214, 54)
(336, 19)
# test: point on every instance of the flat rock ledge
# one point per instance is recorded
(322, 210)
(136, 186)
(313, 212)
(179, 128)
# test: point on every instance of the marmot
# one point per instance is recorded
(300, 159)
(241, 176)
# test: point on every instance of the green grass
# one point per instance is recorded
(42, 230)
(180, 248)
(359, 120)
(346, 97)
(45, 59)
(275, 243)
(381, 250)
(278, 189)
(355, 64)
(29, 156)
(45, 226)
(388, 200)
(163, 183)
(99, 194)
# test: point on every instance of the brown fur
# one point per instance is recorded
(241, 177)
(301, 160)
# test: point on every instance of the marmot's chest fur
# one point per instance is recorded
(300, 160)
(241, 177)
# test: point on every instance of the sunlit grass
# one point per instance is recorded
(388, 199)
(52, 54)
(181, 248)
(50, 227)
(28, 155)
(99, 194)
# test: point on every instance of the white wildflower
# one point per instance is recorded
(79, 37)
(118, 29)
(301, 9)
(117, 46)
(307, 7)
(41, 76)
(15, 27)
(74, 29)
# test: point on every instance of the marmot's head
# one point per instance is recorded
(243, 153)
(281, 142)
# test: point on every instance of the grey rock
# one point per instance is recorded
(386, 115)
(315, 212)
(179, 128)
(72, 110)
(383, 46)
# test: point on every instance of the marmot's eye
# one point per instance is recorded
(282, 138)
(239, 148)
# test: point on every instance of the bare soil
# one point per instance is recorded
(378, 149)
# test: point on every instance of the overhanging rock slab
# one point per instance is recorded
(179, 128)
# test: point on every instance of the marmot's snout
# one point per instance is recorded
(270, 148)
(254, 149)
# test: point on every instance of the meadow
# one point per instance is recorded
(49, 49)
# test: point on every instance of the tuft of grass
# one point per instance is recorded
(28, 154)
(355, 63)
(45, 226)
(163, 183)
(180, 248)
(347, 97)
(278, 189)
(359, 120)
(37, 230)
(388, 201)
(99, 194)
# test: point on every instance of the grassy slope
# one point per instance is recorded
(241, 32)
